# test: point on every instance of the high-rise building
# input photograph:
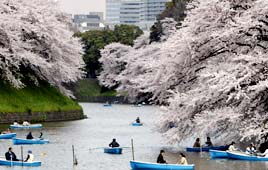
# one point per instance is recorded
(142, 13)
(91, 21)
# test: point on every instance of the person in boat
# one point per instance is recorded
(41, 135)
(10, 155)
(183, 160)
(29, 136)
(208, 142)
(7, 131)
(138, 120)
(265, 153)
(197, 143)
(114, 144)
(15, 123)
(30, 157)
(160, 158)
(26, 123)
(232, 147)
(250, 149)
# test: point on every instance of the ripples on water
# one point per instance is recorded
(103, 124)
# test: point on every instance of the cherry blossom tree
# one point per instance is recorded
(37, 44)
(211, 73)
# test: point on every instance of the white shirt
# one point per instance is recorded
(31, 158)
(250, 150)
(265, 154)
(232, 148)
(183, 161)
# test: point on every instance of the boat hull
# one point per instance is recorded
(136, 165)
(136, 124)
(33, 126)
(206, 149)
(214, 154)
(18, 163)
(8, 136)
(113, 150)
(17, 141)
(245, 157)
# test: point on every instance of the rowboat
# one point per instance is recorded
(17, 141)
(32, 126)
(246, 157)
(217, 154)
(206, 149)
(137, 165)
(136, 124)
(7, 136)
(116, 150)
(18, 163)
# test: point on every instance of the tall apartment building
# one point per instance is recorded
(91, 21)
(137, 12)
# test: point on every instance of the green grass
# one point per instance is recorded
(42, 98)
(90, 87)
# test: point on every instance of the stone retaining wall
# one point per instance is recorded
(41, 116)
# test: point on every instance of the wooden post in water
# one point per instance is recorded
(21, 150)
(74, 158)
(132, 146)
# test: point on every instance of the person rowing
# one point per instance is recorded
(232, 147)
(10, 155)
(138, 120)
(160, 158)
(114, 144)
(29, 136)
(197, 143)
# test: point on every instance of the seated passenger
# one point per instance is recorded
(7, 131)
(197, 143)
(208, 142)
(250, 149)
(30, 157)
(15, 123)
(183, 160)
(114, 144)
(26, 123)
(41, 135)
(265, 154)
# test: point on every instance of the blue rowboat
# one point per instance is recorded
(136, 165)
(7, 136)
(217, 154)
(19, 163)
(32, 126)
(17, 141)
(116, 150)
(245, 157)
(136, 124)
(107, 105)
(206, 149)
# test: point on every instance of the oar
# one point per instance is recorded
(106, 147)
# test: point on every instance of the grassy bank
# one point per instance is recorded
(44, 98)
(90, 87)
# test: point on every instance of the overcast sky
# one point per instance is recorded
(82, 6)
